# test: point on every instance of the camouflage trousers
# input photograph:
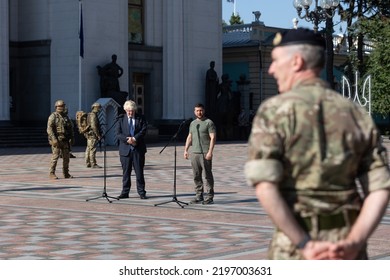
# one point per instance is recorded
(90, 152)
(200, 164)
(281, 247)
(62, 149)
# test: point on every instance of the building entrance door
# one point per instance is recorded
(139, 91)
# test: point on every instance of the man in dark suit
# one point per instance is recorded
(131, 131)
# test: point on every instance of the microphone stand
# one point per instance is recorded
(104, 193)
(174, 198)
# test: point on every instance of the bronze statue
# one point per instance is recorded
(211, 90)
(109, 77)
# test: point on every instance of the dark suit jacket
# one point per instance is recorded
(122, 132)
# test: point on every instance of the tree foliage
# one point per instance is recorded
(377, 30)
(235, 19)
(368, 21)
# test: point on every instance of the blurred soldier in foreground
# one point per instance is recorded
(310, 150)
(61, 137)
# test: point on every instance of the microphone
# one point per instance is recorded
(119, 116)
(187, 121)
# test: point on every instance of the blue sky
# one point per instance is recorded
(277, 13)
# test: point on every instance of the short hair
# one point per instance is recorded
(314, 56)
(130, 105)
(199, 105)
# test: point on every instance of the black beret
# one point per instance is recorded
(298, 37)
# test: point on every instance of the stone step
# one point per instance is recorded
(11, 136)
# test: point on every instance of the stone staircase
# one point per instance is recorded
(12, 136)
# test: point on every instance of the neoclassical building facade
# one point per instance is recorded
(163, 46)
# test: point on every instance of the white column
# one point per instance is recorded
(4, 61)
(173, 66)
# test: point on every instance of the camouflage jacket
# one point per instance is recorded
(60, 127)
(313, 143)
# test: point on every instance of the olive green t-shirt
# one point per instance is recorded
(200, 130)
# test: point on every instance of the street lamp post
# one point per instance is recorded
(322, 11)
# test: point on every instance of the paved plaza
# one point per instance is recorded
(44, 219)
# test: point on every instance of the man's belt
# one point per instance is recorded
(330, 221)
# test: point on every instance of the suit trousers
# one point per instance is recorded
(134, 159)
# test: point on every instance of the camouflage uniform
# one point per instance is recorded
(70, 146)
(313, 144)
(61, 137)
(93, 136)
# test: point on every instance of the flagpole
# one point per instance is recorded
(80, 54)
(234, 6)
(80, 68)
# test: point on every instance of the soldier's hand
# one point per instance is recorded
(316, 250)
(71, 141)
(344, 250)
(54, 143)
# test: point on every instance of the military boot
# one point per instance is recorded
(53, 176)
(208, 201)
(198, 199)
(66, 173)
(67, 176)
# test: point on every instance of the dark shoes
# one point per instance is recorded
(208, 201)
(200, 199)
(197, 200)
(122, 196)
(93, 166)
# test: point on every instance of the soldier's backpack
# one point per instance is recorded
(82, 121)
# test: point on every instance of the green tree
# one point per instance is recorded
(367, 21)
(235, 19)
(377, 31)
(353, 12)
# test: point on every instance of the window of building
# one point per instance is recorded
(136, 26)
